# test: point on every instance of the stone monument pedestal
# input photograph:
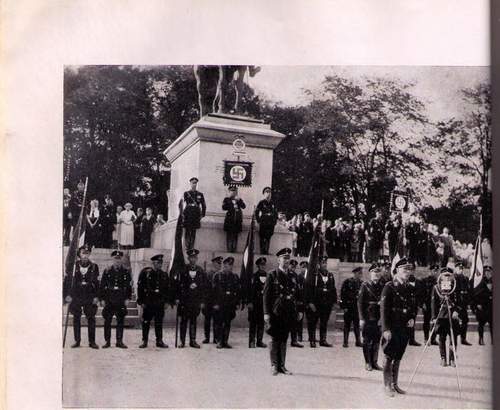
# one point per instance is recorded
(203, 151)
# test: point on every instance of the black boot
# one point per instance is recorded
(442, 351)
(145, 335)
(481, 336)
(119, 335)
(227, 329)
(77, 331)
(374, 356)
(412, 341)
(388, 386)
(183, 331)
(91, 331)
(367, 355)
(346, 338)
(358, 339)
(260, 336)
(192, 334)
(251, 335)
(395, 375)
(107, 333)
(282, 368)
(274, 353)
(452, 358)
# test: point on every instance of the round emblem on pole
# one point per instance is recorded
(238, 173)
(400, 202)
(239, 145)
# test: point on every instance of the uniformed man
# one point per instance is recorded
(349, 302)
(428, 284)
(208, 311)
(192, 292)
(233, 205)
(266, 216)
(320, 296)
(386, 273)
(194, 209)
(294, 333)
(227, 295)
(81, 292)
(369, 313)
(441, 315)
(77, 202)
(115, 293)
(482, 304)
(256, 304)
(301, 306)
(416, 298)
(396, 313)
(464, 298)
(280, 310)
(376, 231)
(152, 294)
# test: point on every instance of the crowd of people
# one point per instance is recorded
(351, 241)
(109, 225)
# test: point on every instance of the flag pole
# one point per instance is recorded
(74, 263)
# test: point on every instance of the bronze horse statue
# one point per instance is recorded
(214, 83)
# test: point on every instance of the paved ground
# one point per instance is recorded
(240, 378)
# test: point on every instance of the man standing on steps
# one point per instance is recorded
(115, 292)
(395, 309)
(294, 333)
(256, 305)
(227, 294)
(208, 311)
(320, 295)
(369, 313)
(280, 310)
(152, 294)
(349, 302)
(464, 298)
(482, 304)
(194, 210)
(428, 284)
(415, 287)
(266, 216)
(233, 205)
(192, 291)
(81, 291)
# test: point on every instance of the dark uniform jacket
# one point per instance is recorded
(266, 216)
(257, 291)
(463, 290)
(280, 298)
(192, 288)
(483, 295)
(428, 284)
(209, 295)
(416, 294)
(395, 306)
(300, 292)
(116, 285)
(226, 290)
(321, 290)
(369, 301)
(195, 209)
(376, 231)
(85, 286)
(76, 204)
(349, 293)
(147, 229)
(152, 287)
(234, 214)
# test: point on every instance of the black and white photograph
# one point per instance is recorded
(229, 229)
(248, 205)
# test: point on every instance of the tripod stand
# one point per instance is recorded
(445, 304)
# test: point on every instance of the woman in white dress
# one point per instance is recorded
(127, 218)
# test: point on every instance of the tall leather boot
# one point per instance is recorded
(77, 328)
(107, 332)
(192, 334)
(119, 333)
(227, 330)
(283, 369)
(356, 334)
(159, 333)
(183, 330)
(367, 354)
(206, 326)
(480, 331)
(145, 334)
(388, 386)
(442, 350)
(91, 331)
(395, 376)
(260, 336)
(346, 337)
(311, 329)
(251, 334)
(274, 355)
(374, 355)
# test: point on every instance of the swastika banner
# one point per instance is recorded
(237, 173)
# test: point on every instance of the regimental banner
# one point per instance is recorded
(237, 173)
(400, 201)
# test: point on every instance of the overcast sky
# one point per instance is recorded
(437, 87)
